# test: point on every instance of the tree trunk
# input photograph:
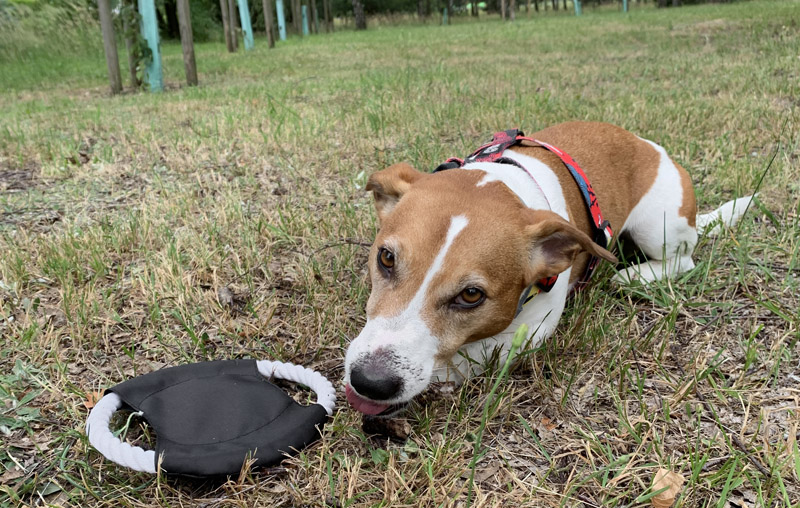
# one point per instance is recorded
(503, 10)
(555, 5)
(187, 42)
(420, 9)
(110, 46)
(297, 17)
(536, 5)
(676, 3)
(326, 6)
(314, 21)
(233, 24)
(475, 8)
(512, 9)
(226, 27)
(269, 24)
(358, 14)
(565, 4)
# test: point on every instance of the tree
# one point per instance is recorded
(358, 14)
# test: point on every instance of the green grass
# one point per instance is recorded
(122, 217)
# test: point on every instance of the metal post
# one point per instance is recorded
(624, 5)
(281, 20)
(247, 27)
(305, 20)
(444, 16)
(577, 7)
(147, 10)
(110, 45)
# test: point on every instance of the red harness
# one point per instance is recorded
(493, 152)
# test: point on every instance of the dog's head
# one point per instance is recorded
(452, 257)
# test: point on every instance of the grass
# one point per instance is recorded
(123, 218)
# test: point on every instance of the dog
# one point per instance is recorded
(461, 253)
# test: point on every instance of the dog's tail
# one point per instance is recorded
(727, 215)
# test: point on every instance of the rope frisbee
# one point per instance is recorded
(210, 417)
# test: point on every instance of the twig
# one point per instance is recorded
(585, 500)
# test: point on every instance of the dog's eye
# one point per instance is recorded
(470, 297)
(386, 259)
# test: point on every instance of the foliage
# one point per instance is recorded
(47, 29)
(206, 20)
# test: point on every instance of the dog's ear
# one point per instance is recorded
(556, 243)
(389, 185)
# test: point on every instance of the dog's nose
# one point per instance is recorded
(373, 380)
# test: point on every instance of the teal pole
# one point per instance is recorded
(577, 7)
(247, 27)
(147, 10)
(305, 20)
(444, 16)
(281, 20)
(624, 5)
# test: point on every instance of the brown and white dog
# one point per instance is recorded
(456, 249)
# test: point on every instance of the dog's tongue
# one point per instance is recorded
(361, 404)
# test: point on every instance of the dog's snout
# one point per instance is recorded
(373, 378)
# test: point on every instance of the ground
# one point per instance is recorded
(229, 221)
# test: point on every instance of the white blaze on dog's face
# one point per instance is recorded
(448, 266)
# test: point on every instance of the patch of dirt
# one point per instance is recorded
(16, 177)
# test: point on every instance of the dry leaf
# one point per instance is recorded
(11, 474)
(548, 424)
(92, 398)
(672, 481)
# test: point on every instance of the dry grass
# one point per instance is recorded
(122, 218)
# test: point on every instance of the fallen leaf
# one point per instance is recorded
(548, 424)
(92, 398)
(11, 474)
(225, 296)
(673, 482)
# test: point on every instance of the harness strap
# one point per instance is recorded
(493, 152)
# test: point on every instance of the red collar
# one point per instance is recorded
(493, 152)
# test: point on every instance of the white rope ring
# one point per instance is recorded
(136, 458)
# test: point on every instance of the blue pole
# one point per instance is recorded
(305, 20)
(624, 5)
(577, 7)
(149, 27)
(444, 16)
(247, 27)
(281, 20)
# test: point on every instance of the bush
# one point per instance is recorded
(205, 20)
